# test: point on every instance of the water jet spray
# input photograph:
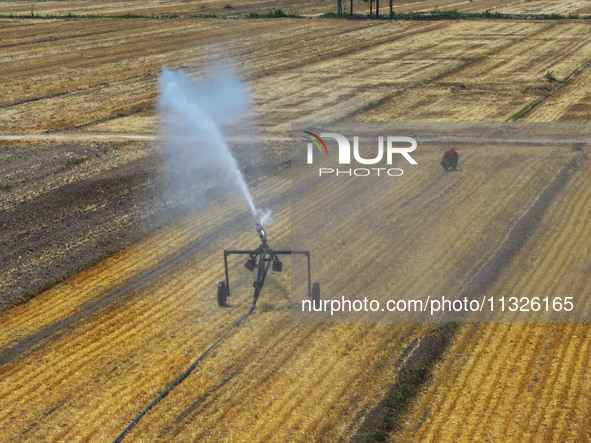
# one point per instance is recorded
(195, 153)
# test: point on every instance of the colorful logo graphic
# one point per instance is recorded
(316, 142)
(349, 153)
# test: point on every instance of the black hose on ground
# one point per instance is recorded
(186, 373)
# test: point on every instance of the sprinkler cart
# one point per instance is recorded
(261, 259)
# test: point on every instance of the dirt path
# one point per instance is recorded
(93, 136)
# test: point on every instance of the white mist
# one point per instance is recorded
(190, 116)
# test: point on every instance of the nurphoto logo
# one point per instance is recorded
(400, 145)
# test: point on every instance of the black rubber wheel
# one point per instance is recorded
(222, 293)
(316, 295)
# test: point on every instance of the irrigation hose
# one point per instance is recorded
(186, 373)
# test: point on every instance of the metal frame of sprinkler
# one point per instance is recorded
(262, 258)
(266, 257)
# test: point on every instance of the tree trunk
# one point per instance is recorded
(377, 8)
(391, 9)
(351, 9)
(370, 7)
(339, 7)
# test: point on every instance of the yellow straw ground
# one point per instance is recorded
(521, 381)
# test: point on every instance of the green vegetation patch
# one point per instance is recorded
(454, 14)
(557, 85)
(333, 15)
(70, 15)
(410, 382)
(526, 109)
(273, 13)
(71, 162)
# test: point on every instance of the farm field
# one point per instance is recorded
(548, 363)
(130, 323)
(136, 301)
(239, 8)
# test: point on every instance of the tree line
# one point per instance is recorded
(341, 11)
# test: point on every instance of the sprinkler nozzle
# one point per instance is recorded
(261, 232)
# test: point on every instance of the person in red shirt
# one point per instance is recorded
(450, 159)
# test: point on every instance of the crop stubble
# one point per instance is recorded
(128, 352)
(546, 396)
(293, 381)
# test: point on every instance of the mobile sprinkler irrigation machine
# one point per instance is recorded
(261, 259)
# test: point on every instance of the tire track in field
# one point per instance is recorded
(562, 243)
(341, 50)
(403, 225)
(564, 345)
(449, 72)
(58, 39)
(54, 330)
(488, 275)
(27, 319)
(79, 343)
(518, 236)
(572, 77)
(77, 90)
(448, 198)
(558, 350)
(548, 267)
(361, 241)
(153, 315)
(172, 290)
(131, 287)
